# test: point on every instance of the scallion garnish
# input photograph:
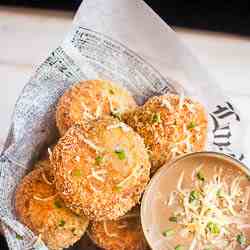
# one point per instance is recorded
(213, 228)
(168, 232)
(111, 91)
(219, 193)
(241, 239)
(156, 118)
(98, 160)
(200, 176)
(178, 247)
(61, 223)
(191, 125)
(19, 237)
(194, 195)
(57, 204)
(77, 172)
(120, 154)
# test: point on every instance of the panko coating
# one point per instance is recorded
(171, 125)
(89, 100)
(101, 169)
(45, 165)
(39, 207)
(123, 234)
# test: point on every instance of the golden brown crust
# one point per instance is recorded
(101, 169)
(170, 126)
(39, 207)
(89, 100)
(123, 234)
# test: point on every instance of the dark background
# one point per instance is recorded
(226, 16)
(223, 16)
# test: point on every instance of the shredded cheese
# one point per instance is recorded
(107, 232)
(165, 103)
(46, 180)
(112, 109)
(78, 158)
(171, 199)
(44, 199)
(50, 154)
(179, 183)
(121, 125)
(98, 175)
(98, 111)
(135, 173)
(93, 188)
(209, 211)
(92, 145)
(86, 112)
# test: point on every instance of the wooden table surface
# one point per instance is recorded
(28, 35)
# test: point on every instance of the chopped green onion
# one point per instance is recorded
(61, 223)
(168, 232)
(200, 176)
(219, 193)
(111, 91)
(120, 154)
(173, 219)
(19, 237)
(98, 160)
(213, 228)
(178, 247)
(156, 118)
(194, 195)
(116, 114)
(117, 189)
(241, 239)
(191, 125)
(77, 172)
(57, 204)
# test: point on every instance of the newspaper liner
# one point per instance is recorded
(126, 42)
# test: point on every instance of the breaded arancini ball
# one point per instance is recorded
(39, 207)
(90, 100)
(101, 169)
(123, 234)
(171, 125)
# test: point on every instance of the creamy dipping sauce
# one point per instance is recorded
(198, 202)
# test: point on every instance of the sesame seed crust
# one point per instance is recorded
(89, 100)
(123, 234)
(170, 125)
(101, 172)
(40, 208)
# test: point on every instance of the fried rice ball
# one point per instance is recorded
(123, 234)
(171, 125)
(101, 169)
(39, 207)
(89, 100)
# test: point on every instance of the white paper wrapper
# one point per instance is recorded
(119, 40)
